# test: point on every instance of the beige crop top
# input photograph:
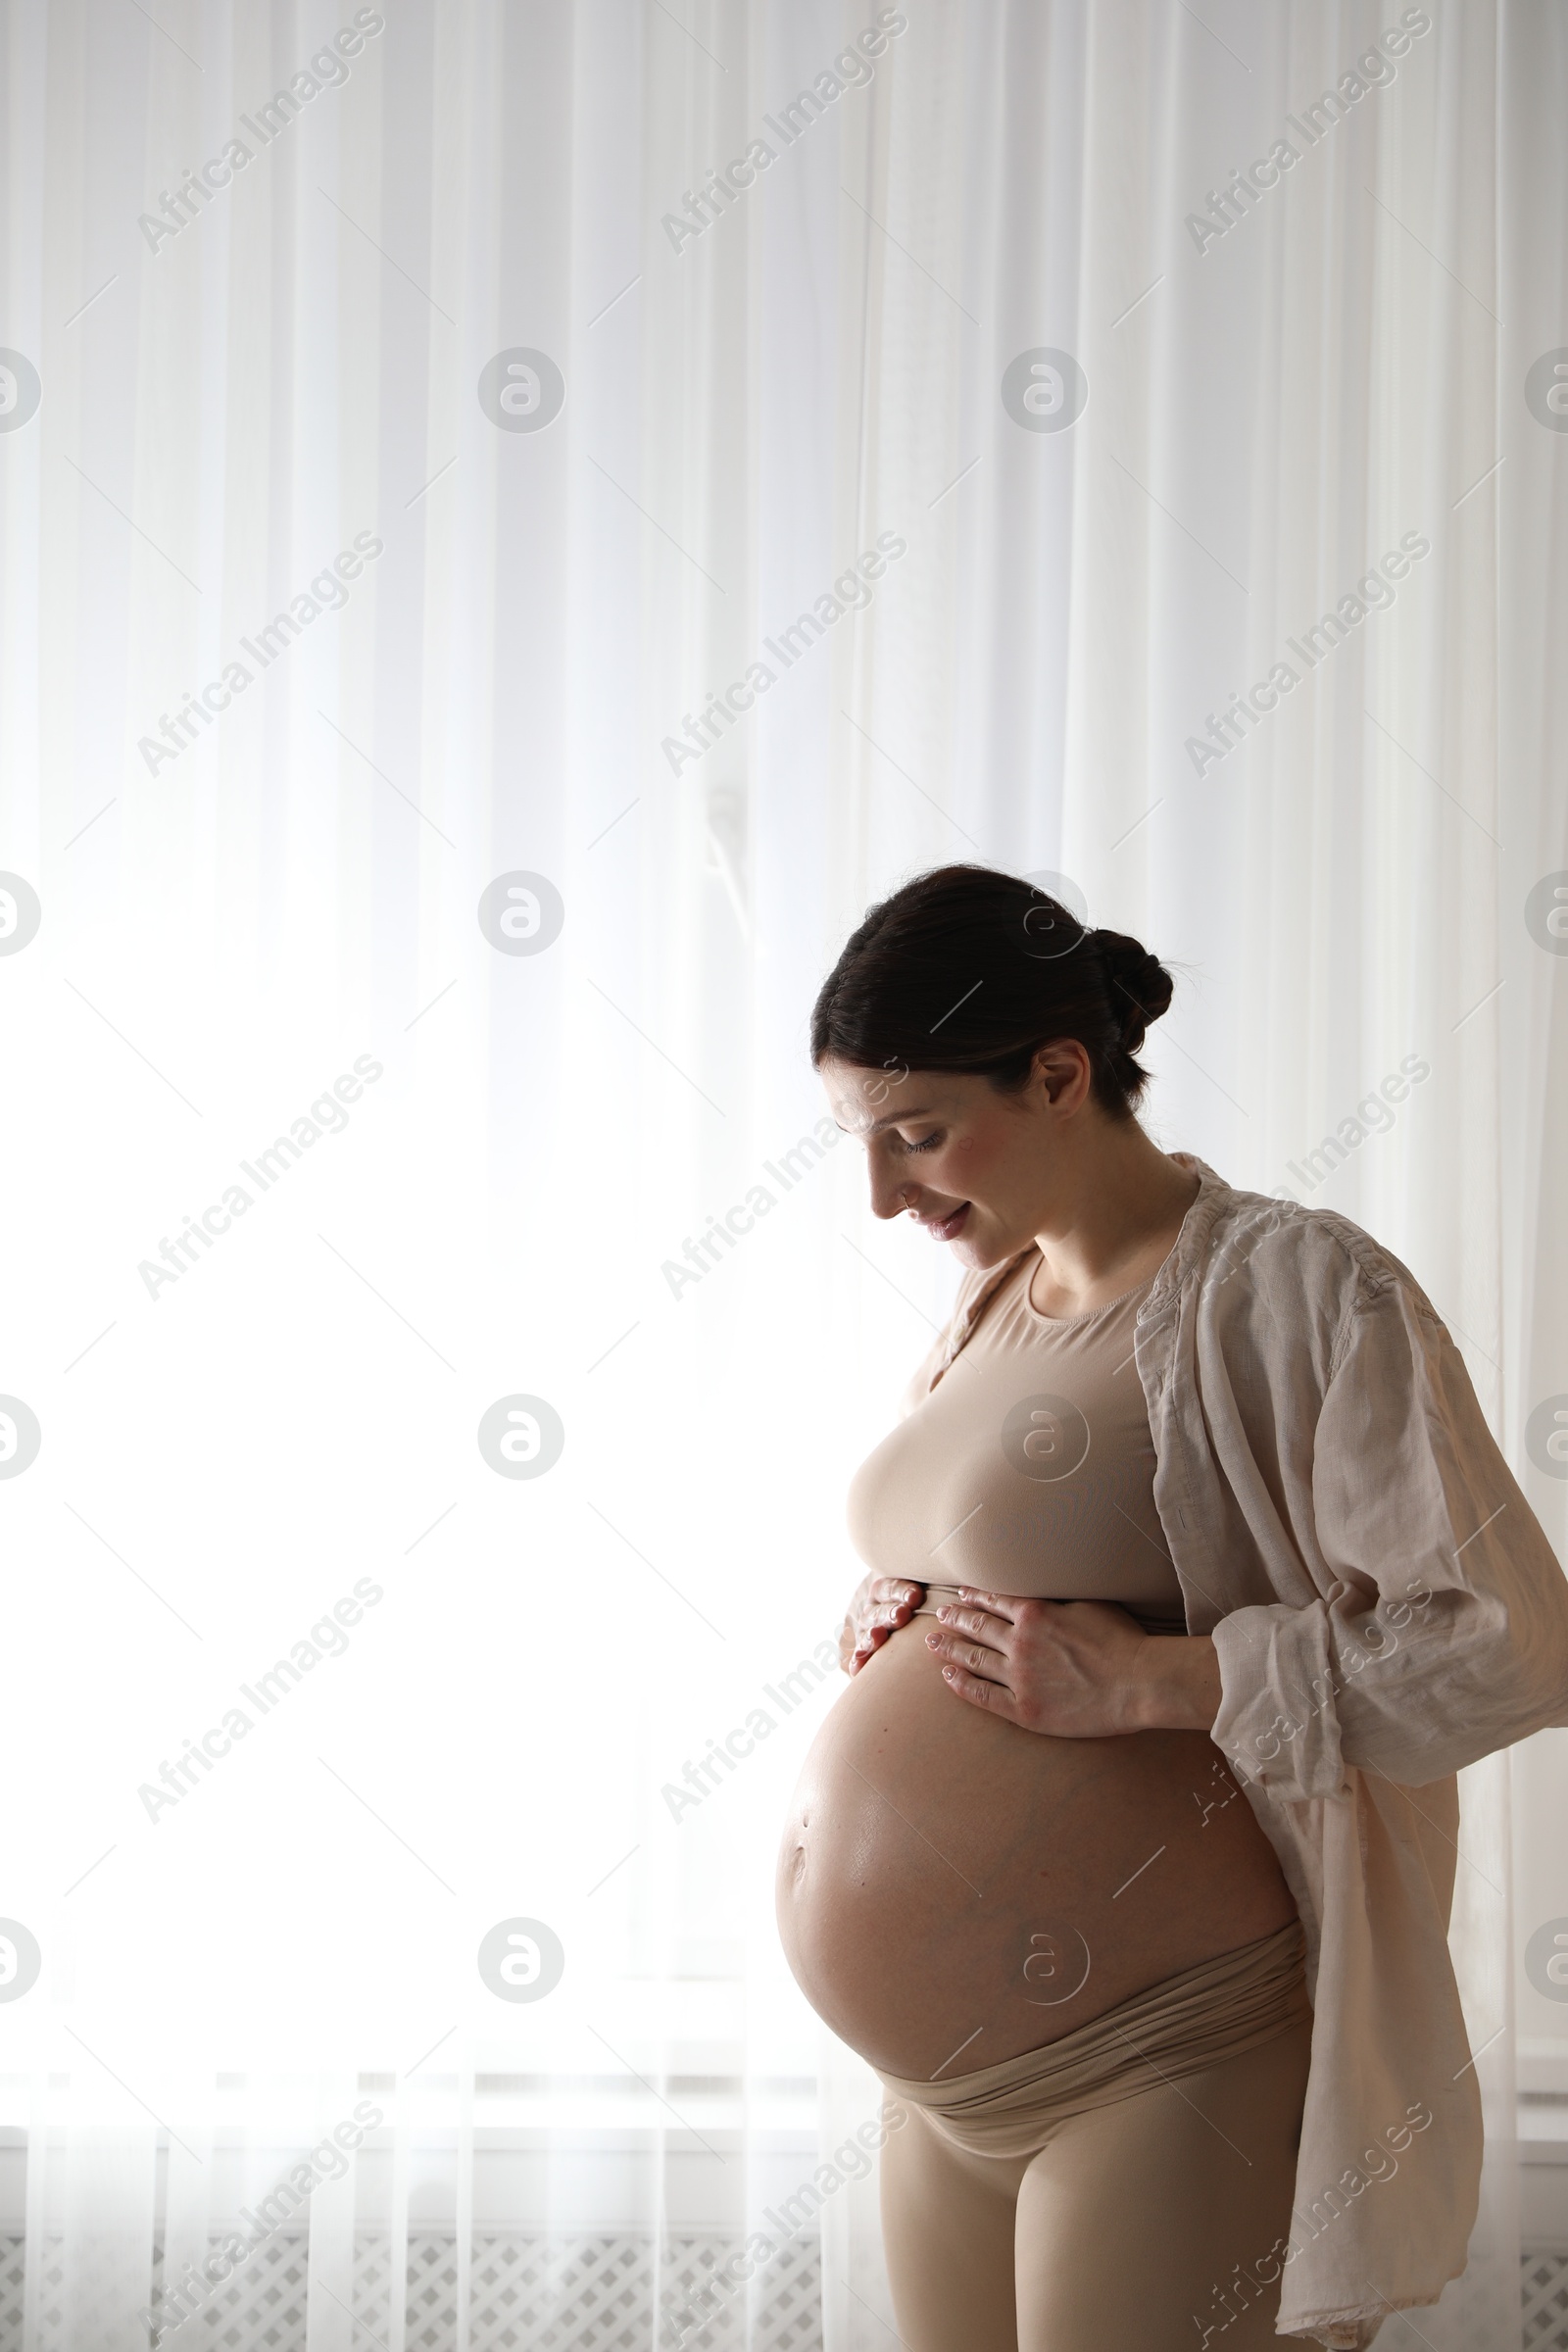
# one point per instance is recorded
(1027, 1469)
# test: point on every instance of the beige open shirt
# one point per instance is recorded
(1386, 1607)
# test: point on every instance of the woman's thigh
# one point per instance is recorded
(948, 2237)
(1135, 2216)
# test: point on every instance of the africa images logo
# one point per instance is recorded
(20, 390)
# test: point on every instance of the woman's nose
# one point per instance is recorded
(889, 1199)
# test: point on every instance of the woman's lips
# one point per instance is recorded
(946, 1229)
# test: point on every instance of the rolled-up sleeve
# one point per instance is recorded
(1441, 1629)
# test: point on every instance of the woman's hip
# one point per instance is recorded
(1139, 2199)
(1199, 2019)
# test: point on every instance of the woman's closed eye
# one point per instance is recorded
(926, 1143)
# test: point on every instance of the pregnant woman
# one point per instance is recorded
(1126, 1857)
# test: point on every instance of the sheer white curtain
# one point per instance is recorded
(462, 895)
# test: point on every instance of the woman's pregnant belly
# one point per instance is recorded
(953, 1890)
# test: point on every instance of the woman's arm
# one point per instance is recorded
(1439, 1633)
(1440, 1629)
(1074, 1669)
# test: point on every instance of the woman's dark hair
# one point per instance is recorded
(968, 969)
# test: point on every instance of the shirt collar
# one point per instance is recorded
(1192, 1244)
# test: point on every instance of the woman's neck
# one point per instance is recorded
(1118, 1227)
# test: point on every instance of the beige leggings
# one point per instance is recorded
(1120, 2186)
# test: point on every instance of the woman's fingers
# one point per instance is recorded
(990, 1628)
(976, 1657)
(882, 1604)
(993, 1696)
(999, 1604)
(871, 1639)
(892, 1601)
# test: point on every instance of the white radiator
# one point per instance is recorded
(536, 2293)
(531, 2292)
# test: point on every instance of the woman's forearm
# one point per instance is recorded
(1180, 1684)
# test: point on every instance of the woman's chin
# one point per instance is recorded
(979, 1246)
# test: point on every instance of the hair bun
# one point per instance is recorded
(1137, 983)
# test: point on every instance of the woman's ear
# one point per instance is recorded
(1062, 1073)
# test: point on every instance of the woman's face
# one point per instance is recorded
(976, 1168)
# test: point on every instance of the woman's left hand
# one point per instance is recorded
(1074, 1669)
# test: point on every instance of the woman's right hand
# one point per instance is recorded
(881, 1605)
